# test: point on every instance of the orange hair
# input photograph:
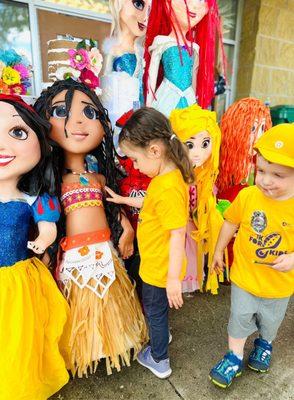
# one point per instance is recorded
(236, 153)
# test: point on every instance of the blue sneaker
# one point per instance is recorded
(228, 368)
(161, 368)
(260, 356)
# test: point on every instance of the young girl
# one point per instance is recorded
(148, 140)
(106, 320)
(32, 310)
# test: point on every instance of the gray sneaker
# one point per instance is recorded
(161, 369)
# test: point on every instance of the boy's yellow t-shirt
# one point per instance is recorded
(165, 208)
(266, 231)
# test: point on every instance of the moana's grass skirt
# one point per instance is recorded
(109, 327)
(33, 313)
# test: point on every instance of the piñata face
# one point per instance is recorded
(189, 12)
(82, 132)
(133, 16)
(19, 145)
(200, 148)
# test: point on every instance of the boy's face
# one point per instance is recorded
(274, 180)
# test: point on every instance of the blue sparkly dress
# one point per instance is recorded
(177, 90)
(121, 83)
(33, 311)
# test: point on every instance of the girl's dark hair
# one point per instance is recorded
(41, 178)
(104, 153)
(147, 124)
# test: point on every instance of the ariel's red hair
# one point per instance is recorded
(204, 34)
(236, 126)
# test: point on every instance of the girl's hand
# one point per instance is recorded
(174, 293)
(115, 198)
(218, 262)
(284, 262)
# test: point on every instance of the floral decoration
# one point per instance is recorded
(15, 73)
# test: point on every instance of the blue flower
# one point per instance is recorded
(9, 57)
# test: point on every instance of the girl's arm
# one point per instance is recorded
(136, 202)
(176, 257)
(226, 233)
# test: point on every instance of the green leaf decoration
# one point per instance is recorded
(93, 43)
(82, 45)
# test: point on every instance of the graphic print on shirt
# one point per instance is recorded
(267, 245)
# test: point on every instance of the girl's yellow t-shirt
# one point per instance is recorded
(266, 230)
(165, 208)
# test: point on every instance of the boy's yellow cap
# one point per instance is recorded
(277, 145)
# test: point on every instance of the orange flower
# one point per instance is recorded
(84, 250)
(99, 255)
(4, 89)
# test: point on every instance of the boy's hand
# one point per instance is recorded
(174, 293)
(284, 262)
(115, 198)
(218, 262)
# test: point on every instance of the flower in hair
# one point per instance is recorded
(95, 60)
(79, 59)
(89, 78)
(67, 72)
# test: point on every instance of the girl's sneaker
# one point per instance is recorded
(260, 356)
(229, 367)
(161, 369)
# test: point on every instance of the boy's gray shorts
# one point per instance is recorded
(250, 314)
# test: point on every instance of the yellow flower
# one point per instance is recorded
(10, 76)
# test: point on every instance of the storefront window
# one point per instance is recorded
(100, 6)
(228, 12)
(15, 29)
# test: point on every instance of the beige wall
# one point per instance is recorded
(266, 61)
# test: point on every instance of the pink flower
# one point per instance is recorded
(79, 59)
(24, 72)
(89, 78)
(95, 60)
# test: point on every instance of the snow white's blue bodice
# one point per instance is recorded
(125, 63)
(16, 216)
(177, 72)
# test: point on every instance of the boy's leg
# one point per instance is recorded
(269, 318)
(242, 323)
(155, 356)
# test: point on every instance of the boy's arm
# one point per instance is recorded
(226, 233)
(176, 256)
(136, 202)
(284, 262)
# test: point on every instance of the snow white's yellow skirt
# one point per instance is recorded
(33, 313)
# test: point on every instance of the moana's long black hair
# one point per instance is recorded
(104, 153)
(41, 178)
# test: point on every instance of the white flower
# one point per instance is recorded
(95, 60)
(67, 72)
